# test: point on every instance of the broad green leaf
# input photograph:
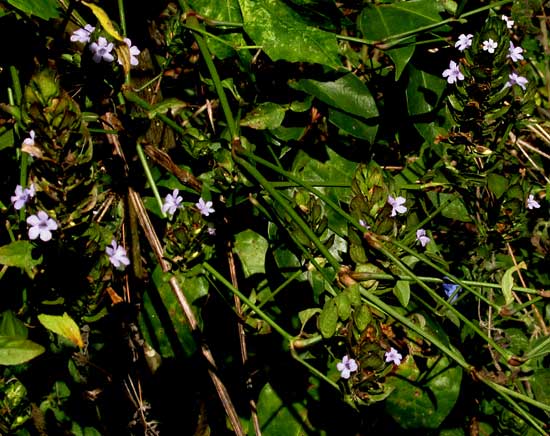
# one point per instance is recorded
(348, 93)
(104, 20)
(343, 303)
(19, 254)
(507, 282)
(423, 400)
(264, 116)
(423, 91)
(277, 418)
(328, 319)
(44, 9)
(64, 326)
(402, 291)
(352, 125)
(362, 317)
(306, 314)
(283, 35)
(10, 325)
(6, 138)
(455, 209)
(382, 21)
(14, 351)
(498, 184)
(540, 383)
(251, 249)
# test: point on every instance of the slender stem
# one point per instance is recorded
(149, 177)
(122, 14)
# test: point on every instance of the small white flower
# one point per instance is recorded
(514, 53)
(211, 231)
(422, 238)
(532, 203)
(134, 52)
(172, 202)
(393, 356)
(41, 226)
(117, 255)
(30, 140)
(346, 367)
(464, 41)
(82, 35)
(205, 207)
(363, 223)
(453, 73)
(22, 196)
(514, 79)
(102, 50)
(397, 205)
(509, 23)
(489, 45)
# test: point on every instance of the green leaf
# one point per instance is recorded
(343, 303)
(14, 351)
(172, 105)
(540, 382)
(19, 254)
(251, 248)
(276, 418)
(498, 184)
(105, 21)
(423, 400)
(348, 94)
(264, 116)
(306, 314)
(10, 325)
(328, 319)
(352, 125)
(423, 91)
(44, 9)
(382, 21)
(362, 317)
(455, 209)
(402, 291)
(508, 282)
(283, 35)
(64, 326)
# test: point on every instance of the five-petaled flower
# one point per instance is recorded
(83, 34)
(41, 226)
(172, 202)
(453, 73)
(205, 207)
(117, 255)
(514, 53)
(509, 22)
(464, 41)
(22, 196)
(393, 356)
(134, 52)
(422, 237)
(102, 50)
(532, 203)
(397, 205)
(451, 290)
(346, 367)
(514, 79)
(489, 45)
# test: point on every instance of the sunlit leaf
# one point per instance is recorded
(402, 291)
(64, 326)
(105, 21)
(19, 254)
(14, 351)
(10, 325)
(44, 9)
(251, 248)
(328, 319)
(508, 282)
(264, 116)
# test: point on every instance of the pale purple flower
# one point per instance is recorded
(464, 41)
(41, 226)
(397, 205)
(22, 196)
(489, 45)
(205, 207)
(393, 356)
(211, 231)
(83, 34)
(514, 53)
(509, 22)
(172, 202)
(363, 223)
(102, 50)
(134, 52)
(30, 140)
(453, 73)
(346, 367)
(531, 202)
(514, 79)
(451, 290)
(422, 237)
(117, 255)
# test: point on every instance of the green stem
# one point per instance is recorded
(122, 17)
(288, 209)
(149, 177)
